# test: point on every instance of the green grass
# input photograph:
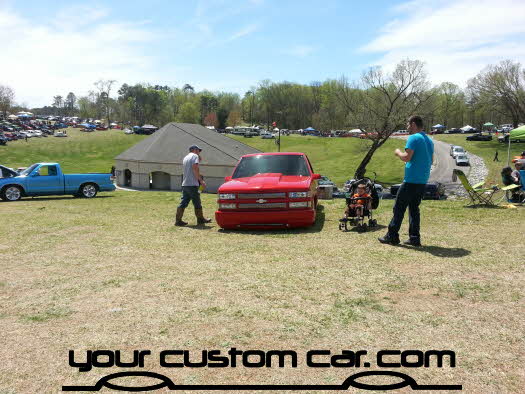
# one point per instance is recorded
(79, 152)
(114, 273)
(338, 158)
(486, 150)
(95, 152)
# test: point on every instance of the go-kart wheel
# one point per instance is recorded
(341, 226)
(372, 223)
(364, 227)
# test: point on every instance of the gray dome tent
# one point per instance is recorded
(156, 162)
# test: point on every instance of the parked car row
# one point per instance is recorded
(460, 156)
(433, 190)
(479, 137)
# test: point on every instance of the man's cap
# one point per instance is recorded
(194, 147)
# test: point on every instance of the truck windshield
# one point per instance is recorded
(263, 164)
(28, 170)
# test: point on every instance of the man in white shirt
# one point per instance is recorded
(191, 181)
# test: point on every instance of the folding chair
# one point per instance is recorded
(477, 194)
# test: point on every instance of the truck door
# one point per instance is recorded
(45, 181)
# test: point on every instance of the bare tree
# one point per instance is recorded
(502, 87)
(104, 88)
(7, 96)
(381, 103)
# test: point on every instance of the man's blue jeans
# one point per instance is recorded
(190, 193)
(409, 195)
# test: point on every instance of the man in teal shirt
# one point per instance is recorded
(418, 156)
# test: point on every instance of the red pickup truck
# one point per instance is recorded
(269, 190)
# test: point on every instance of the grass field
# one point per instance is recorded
(486, 150)
(338, 158)
(79, 152)
(114, 273)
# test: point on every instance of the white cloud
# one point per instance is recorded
(300, 50)
(40, 60)
(456, 38)
(249, 29)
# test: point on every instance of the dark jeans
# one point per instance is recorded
(190, 193)
(409, 195)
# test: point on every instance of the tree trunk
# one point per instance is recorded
(361, 169)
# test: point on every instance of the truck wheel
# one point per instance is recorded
(89, 190)
(11, 193)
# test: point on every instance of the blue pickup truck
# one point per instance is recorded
(45, 179)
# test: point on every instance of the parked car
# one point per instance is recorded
(60, 134)
(6, 172)
(266, 136)
(3, 140)
(453, 131)
(505, 139)
(44, 179)
(324, 180)
(462, 160)
(433, 190)
(456, 150)
(479, 137)
(269, 190)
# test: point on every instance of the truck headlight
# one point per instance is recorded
(227, 206)
(300, 204)
(299, 194)
(226, 196)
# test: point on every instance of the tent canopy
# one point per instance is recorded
(467, 128)
(309, 129)
(438, 126)
(488, 124)
(517, 134)
(170, 145)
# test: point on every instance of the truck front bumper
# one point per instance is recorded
(265, 219)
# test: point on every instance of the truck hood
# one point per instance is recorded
(267, 182)
(14, 179)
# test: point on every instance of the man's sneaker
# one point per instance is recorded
(412, 242)
(388, 239)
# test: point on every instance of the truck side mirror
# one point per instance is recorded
(227, 178)
(316, 176)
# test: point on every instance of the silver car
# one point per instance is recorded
(456, 151)
(462, 160)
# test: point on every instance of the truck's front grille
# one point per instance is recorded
(263, 206)
(246, 196)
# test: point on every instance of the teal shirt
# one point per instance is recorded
(417, 170)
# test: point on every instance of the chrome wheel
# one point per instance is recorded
(89, 191)
(13, 193)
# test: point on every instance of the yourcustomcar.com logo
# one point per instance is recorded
(235, 358)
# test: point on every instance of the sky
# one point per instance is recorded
(52, 48)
